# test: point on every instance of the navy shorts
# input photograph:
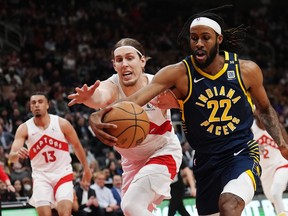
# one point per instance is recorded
(213, 172)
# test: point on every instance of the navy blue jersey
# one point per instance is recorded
(219, 112)
(217, 107)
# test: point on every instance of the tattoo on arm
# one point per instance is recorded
(271, 122)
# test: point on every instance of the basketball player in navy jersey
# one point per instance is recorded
(215, 90)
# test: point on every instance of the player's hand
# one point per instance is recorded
(87, 175)
(284, 151)
(193, 191)
(165, 100)
(23, 153)
(98, 127)
(82, 94)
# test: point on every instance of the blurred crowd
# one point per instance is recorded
(66, 44)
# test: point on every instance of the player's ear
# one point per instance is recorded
(143, 62)
(113, 62)
(220, 38)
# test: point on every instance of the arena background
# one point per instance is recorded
(58, 45)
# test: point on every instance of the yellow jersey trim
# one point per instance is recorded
(220, 73)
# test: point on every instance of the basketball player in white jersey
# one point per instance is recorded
(47, 138)
(274, 178)
(150, 167)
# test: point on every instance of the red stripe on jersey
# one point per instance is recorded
(155, 129)
(284, 166)
(166, 160)
(63, 180)
(47, 141)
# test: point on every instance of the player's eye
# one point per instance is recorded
(119, 60)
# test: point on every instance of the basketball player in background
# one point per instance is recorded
(178, 190)
(48, 137)
(215, 90)
(274, 176)
(148, 169)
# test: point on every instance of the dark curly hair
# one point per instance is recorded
(232, 37)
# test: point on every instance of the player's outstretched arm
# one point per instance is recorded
(171, 76)
(96, 96)
(83, 95)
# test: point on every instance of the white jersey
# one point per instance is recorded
(274, 176)
(160, 141)
(48, 149)
(270, 156)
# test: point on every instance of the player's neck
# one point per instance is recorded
(216, 65)
(42, 122)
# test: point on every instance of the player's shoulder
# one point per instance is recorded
(22, 129)
(62, 120)
(246, 64)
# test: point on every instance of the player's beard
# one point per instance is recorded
(210, 57)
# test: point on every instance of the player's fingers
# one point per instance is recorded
(71, 96)
(22, 154)
(104, 137)
(72, 102)
(85, 88)
(95, 85)
(25, 151)
(107, 141)
(79, 90)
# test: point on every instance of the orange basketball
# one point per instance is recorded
(132, 124)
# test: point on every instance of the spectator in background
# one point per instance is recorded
(27, 186)
(90, 157)
(6, 120)
(87, 201)
(6, 139)
(188, 152)
(178, 190)
(110, 155)
(18, 172)
(114, 168)
(104, 195)
(108, 177)
(82, 130)
(18, 188)
(116, 191)
(12, 77)
(5, 194)
(94, 166)
(57, 100)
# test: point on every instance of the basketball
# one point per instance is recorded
(132, 124)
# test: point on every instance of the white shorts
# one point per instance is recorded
(50, 188)
(234, 186)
